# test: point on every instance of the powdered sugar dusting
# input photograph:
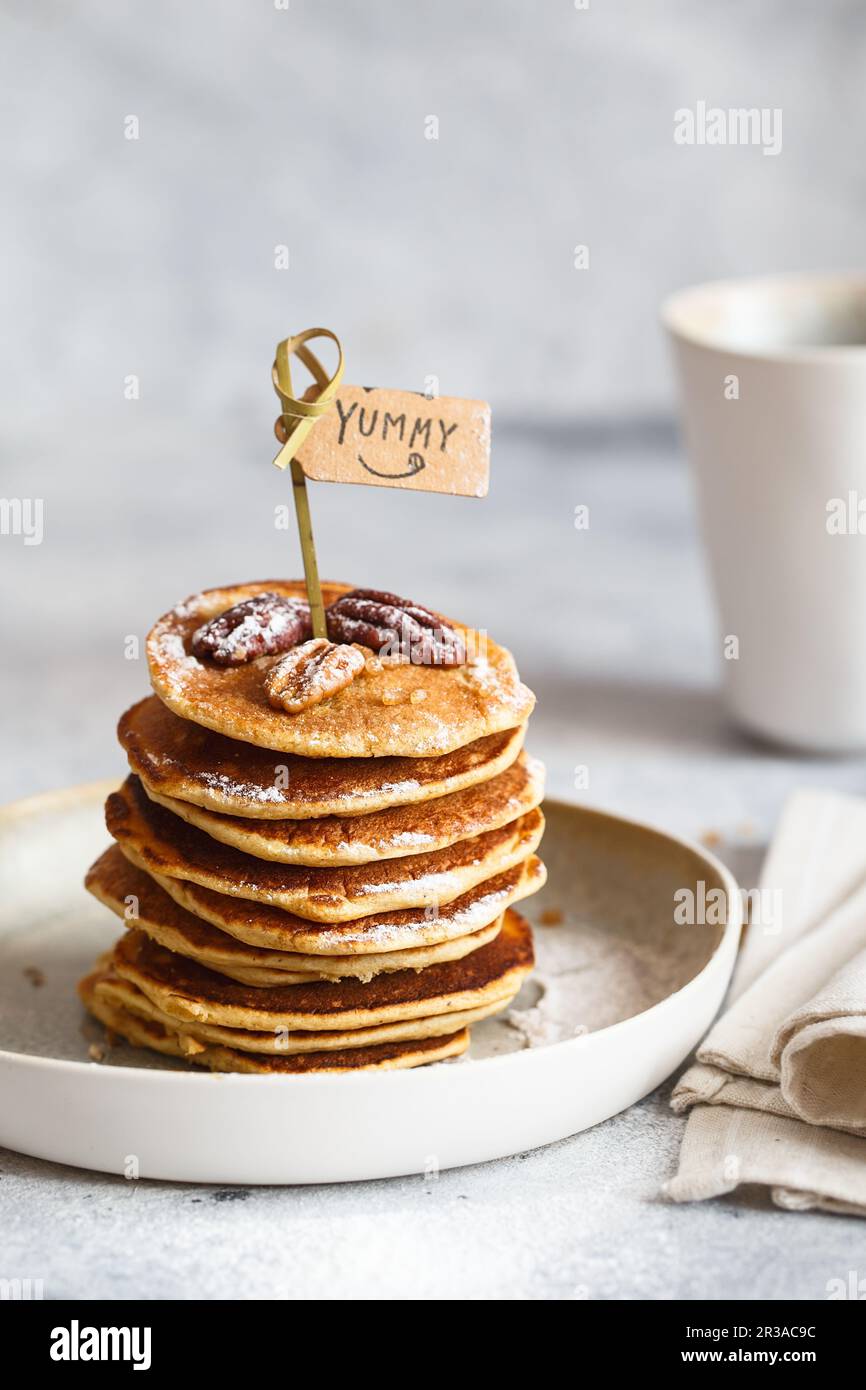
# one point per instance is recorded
(262, 625)
(460, 705)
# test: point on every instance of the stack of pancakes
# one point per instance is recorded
(324, 890)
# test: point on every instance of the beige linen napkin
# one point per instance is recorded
(779, 1087)
(820, 1051)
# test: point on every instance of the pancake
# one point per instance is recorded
(376, 715)
(164, 844)
(117, 883)
(257, 924)
(142, 1033)
(278, 1042)
(179, 759)
(392, 834)
(191, 993)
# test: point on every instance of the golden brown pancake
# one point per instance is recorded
(260, 925)
(166, 845)
(333, 841)
(192, 994)
(141, 1033)
(376, 715)
(180, 759)
(140, 902)
(280, 1042)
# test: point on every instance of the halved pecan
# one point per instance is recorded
(394, 626)
(259, 626)
(311, 673)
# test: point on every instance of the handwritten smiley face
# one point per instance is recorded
(415, 463)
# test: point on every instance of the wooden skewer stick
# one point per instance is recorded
(308, 550)
(297, 418)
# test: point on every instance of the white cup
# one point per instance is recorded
(773, 379)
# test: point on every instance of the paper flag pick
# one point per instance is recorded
(361, 434)
(388, 438)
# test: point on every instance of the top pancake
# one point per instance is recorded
(372, 717)
(187, 762)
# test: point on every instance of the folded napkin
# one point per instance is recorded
(778, 1093)
(820, 1051)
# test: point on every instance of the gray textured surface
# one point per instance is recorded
(580, 1219)
(306, 128)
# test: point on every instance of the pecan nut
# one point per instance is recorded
(394, 626)
(311, 673)
(259, 626)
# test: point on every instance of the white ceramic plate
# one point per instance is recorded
(621, 996)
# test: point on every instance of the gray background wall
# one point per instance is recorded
(306, 127)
